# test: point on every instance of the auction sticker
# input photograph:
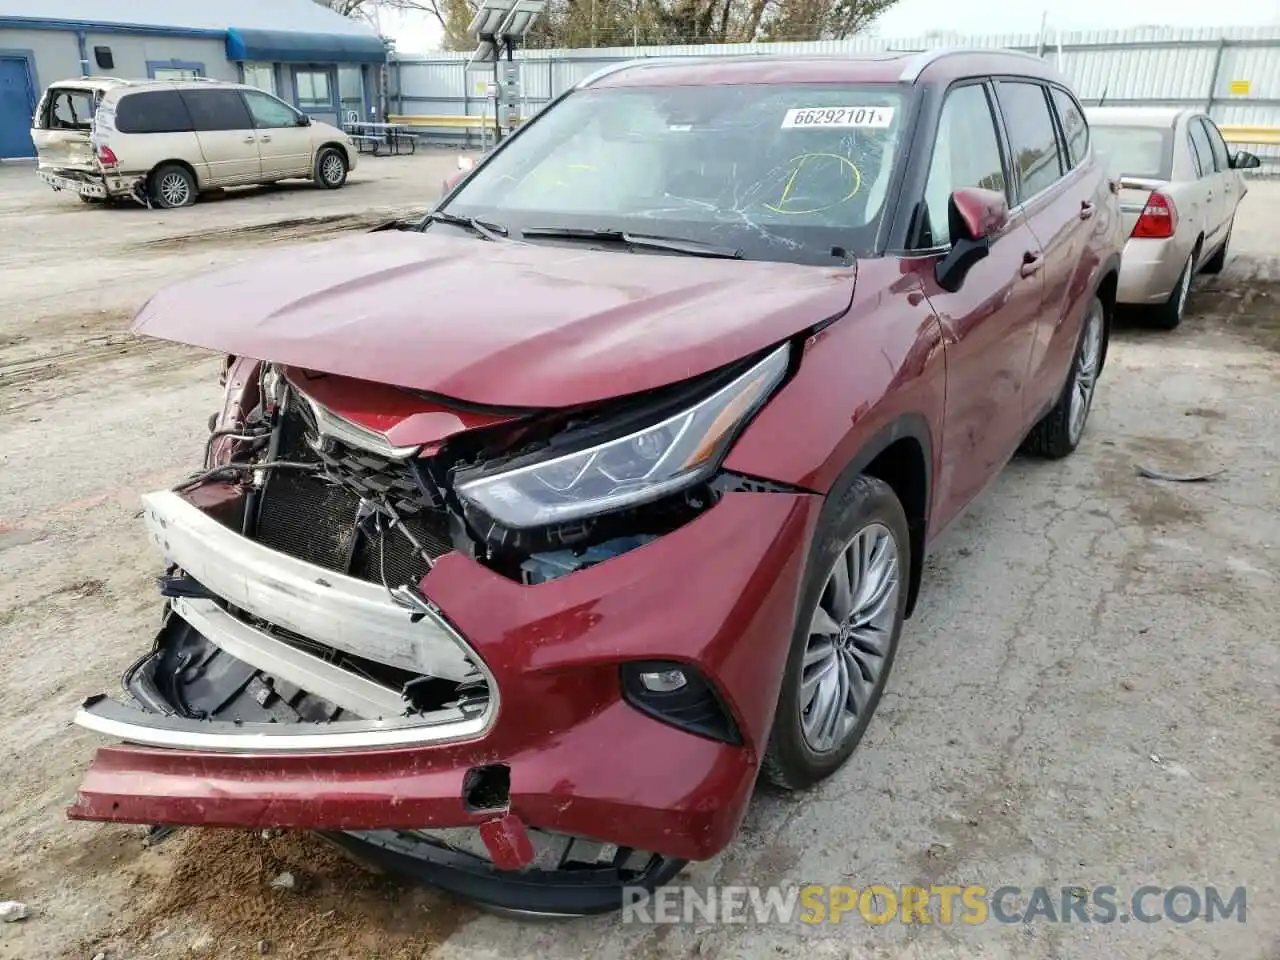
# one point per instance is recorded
(876, 117)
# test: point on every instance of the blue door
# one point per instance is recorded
(17, 102)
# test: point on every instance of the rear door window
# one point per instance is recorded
(157, 111)
(1033, 140)
(1074, 126)
(217, 110)
(1221, 157)
(1200, 148)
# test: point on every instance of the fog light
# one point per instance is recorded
(667, 681)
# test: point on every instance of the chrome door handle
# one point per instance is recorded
(264, 139)
(1031, 262)
(1086, 210)
(248, 139)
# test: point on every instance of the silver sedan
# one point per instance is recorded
(1179, 189)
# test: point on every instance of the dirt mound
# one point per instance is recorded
(219, 901)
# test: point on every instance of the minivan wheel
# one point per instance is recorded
(1058, 433)
(331, 168)
(852, 607)
(173, 186)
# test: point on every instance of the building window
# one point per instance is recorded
(173, 70)
(313, 88)
(261, 75)
(104, 58)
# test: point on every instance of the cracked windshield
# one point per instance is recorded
(796, 173)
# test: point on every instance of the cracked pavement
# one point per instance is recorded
(1088, 693)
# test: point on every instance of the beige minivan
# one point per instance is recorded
(162, 142)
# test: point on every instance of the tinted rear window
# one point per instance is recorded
(158, 111)
(1135, 151)
(1031, 135)
(217, 110)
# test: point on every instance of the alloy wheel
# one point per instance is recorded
(1086, 377)
(849, 637)
(331, 169)
(175, 189)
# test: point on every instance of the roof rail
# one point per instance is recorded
(911, 72)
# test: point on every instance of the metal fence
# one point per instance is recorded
(1232, 73)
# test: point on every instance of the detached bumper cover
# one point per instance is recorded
(718, 594)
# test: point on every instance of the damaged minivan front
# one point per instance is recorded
(481, 575)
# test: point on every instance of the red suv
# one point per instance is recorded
(526, 538)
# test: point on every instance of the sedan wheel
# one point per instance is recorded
(852, 606)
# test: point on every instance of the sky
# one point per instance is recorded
(415, 33)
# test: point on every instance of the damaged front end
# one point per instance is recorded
(419, 626)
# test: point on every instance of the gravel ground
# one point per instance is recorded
(1087, 695)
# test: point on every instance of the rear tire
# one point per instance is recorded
(1058, 433)
(1219, 259)
(845, 637)
(331, 168)
(1169, 314)
(173, 186)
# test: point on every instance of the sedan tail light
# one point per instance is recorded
(1159, 218)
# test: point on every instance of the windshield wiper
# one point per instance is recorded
(486, 229)
(694, 248)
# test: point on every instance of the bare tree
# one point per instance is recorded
(364, 9)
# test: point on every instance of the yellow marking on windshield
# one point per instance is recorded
(855, 179)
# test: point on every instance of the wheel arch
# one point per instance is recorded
(1107, 291)
(901, 455)
(176, 162)
(335, 145)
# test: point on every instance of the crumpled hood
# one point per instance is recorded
(508, 324)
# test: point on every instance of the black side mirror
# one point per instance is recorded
(1244, 160)
(974, 215)
(304, 120)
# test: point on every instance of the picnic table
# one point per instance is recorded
(374, 134)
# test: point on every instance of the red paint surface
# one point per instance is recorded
(504, 324)
(554, 650)
(507, 842)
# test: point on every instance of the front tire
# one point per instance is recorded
(331, 168)
(1059, 432)
(173, 186)
(852, 607)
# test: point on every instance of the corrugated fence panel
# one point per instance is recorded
(1238, 69)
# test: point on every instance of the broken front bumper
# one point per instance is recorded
(717, 595)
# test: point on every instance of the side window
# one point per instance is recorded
(217, 110)
(157, 111)
(1200, 149)
(268, 112)
(71, 110)
(1074, 126)
(966, 153)
(1221, 156)
(1031, 135)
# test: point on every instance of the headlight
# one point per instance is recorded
(643, 466)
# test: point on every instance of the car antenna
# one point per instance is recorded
(1103, 99)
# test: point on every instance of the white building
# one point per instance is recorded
(321, 62)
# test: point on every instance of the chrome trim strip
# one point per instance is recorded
(330, 608)
(113, 719)
(364, 698)
(337, 427)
